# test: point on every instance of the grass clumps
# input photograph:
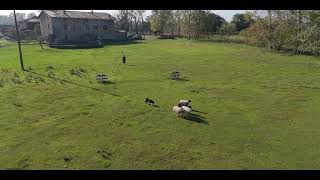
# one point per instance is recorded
(106, 163)
(16, 79)
(29, 78)
(80, 72)
(32, 78)
(51, 74)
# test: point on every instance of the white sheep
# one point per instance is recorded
(185, 102)
(177, 110)
(187, 108)
(186, 111)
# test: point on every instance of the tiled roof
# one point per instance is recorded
(77, 14)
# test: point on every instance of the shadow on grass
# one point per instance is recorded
(222, 41)
(197, 118)
(122, 43)
(183, 79)
(80, 85)
(180, 79)
(153, 105)
(108, 82)
(199, 111)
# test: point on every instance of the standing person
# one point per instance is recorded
(123, 57)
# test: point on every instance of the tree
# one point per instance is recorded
(6, 20)
(131, 16)
(164, 17)
(155, 21)
(123, 21)
(20, 16)
(198, 23)
(227, 29)
(177, 16)
(160, 20)
(213, 22)
(146, 25)
(187, 14)
(241, 21)
(257, 34)
(30, 15)
(140, 18)
(310, 40)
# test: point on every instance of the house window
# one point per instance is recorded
(105, 27)
(67, 27)
(95, 27)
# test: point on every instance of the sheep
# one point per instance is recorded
(177, 110)
(187, 108)
(185, 102)
(186, 111)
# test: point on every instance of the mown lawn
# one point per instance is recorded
(255, 109)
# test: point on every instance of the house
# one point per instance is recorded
(60, 26)
(29, 24)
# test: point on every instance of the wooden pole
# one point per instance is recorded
(19, 46)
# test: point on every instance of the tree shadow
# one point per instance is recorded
(122, 42)
(222, 41)
(197, 118)
(70, 82)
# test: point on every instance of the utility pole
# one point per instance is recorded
(18, 38)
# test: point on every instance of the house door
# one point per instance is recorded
(66, 37)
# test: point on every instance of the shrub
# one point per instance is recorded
(257, 34)
(309, 40)
(29, 78)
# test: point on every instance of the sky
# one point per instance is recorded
(226, 14)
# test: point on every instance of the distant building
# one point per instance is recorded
(58, 26)
(29, 24)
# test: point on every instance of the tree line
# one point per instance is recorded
(182, 23)
(280, 30)
(289, 30)
(9, 19)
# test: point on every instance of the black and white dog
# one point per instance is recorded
(149, 101)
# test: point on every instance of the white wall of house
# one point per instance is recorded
(72, 29)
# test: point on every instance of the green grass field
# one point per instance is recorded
(256, 109)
